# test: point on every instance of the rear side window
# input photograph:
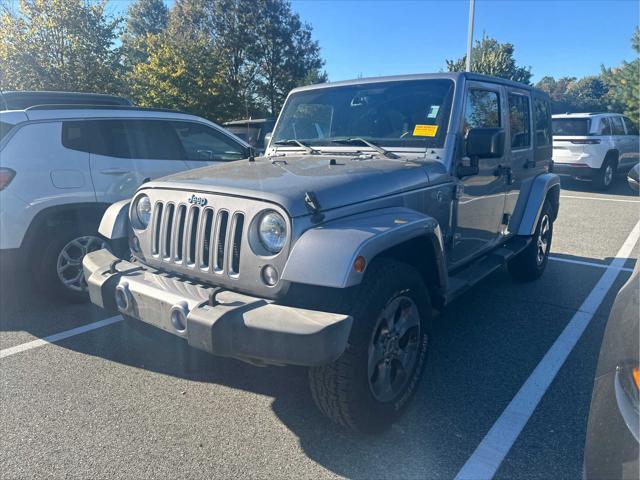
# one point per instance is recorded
(519, 121)
(74, 136)
(5, 128)
(605, 126)
(543, 122)
(201, 142)
(482, 109)
(632, 129)
(571, 126)
(616, 126)
(155, 139)
(147, 139)
(112, 139)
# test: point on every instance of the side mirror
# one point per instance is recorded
(485, 143)
(267, 139)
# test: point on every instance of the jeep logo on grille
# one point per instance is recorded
(196, 200)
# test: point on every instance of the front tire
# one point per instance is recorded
(370, 385)
(530, 263)
(57, 270)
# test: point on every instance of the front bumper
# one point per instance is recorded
(234, 325)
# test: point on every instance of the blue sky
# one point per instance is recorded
(386, 37)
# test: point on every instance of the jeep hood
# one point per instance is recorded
(285, 180)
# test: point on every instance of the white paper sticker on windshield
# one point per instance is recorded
(433, 111)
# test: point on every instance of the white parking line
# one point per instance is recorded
(59, 336)
(588, 264)
(604, 199)
(486, 459)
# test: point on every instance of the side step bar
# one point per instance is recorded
(464, 279)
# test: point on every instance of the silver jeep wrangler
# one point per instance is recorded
(376, 201)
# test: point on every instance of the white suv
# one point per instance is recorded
(61, 167)
(594, 146)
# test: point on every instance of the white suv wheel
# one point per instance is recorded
(69, 265)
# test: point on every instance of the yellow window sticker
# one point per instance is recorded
(425, 131)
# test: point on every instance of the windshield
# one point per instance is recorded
(412, 114)
(571, 126)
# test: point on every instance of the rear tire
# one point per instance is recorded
(530, 263)
(57, 269)
(370, 385)
(604, 177)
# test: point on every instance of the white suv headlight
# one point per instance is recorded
(272, 231)
(143, 211)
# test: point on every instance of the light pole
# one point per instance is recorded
(472, 5)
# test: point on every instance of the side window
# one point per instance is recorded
(616, 126)
(605, 126)
(74, 136)
(543, 122)
(201, 142)
(4, 129)
(632, 129)
(482, 109)
(144, 139)
(519, 121)
(110, 138)
(155, 139)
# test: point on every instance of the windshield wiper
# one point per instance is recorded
(369, 144)
(293, 141)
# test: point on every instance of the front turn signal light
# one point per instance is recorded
(636, 377)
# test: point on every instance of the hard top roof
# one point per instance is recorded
(455, 76)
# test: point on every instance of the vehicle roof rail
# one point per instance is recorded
(102, 107)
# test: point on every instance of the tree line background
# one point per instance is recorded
(220, 59)
(228, 59)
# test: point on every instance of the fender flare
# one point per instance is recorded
(325, 255)
(115, 221)
(540, 188)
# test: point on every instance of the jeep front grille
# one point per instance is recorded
(196, 237)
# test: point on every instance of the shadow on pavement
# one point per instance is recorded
(483, 348)
(619, 187)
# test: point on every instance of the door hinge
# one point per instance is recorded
(505, 219)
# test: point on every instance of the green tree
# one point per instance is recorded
(589, 94)
(256, 51)
(569, 94)
(175, 76)
(289, 57)
(624, 83)
(144, 17)
(490, 57)
(59, 45)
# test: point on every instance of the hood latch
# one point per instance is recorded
(314, 207)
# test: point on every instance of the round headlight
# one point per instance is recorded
(272, 231)
(143, 211)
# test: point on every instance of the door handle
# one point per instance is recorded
(115, 171)
(529, 164)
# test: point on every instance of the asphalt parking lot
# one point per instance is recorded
(110, 402)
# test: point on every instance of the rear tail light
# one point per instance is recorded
(586, 141)
(6, 175)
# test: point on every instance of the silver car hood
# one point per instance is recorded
(285, 180)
